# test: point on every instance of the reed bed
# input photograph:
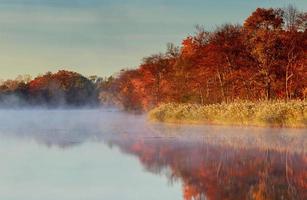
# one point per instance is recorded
(262, 113)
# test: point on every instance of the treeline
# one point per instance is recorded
(63, 88)
(263, 59)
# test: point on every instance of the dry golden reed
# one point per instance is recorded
(262, 113)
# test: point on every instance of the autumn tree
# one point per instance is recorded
(294, 41)
(14, 92)
(128, 90)
(263, 30)
(190, 69)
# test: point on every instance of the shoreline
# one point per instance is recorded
(204, 123)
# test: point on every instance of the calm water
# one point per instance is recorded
(104, 154)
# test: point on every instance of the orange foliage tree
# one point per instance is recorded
(263, 59)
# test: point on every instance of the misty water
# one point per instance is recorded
(107, 154)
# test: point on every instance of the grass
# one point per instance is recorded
(262, 113)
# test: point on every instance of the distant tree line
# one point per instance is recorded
(63, 88)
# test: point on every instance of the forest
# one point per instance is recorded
(263, 59)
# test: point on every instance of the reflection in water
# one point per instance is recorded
(216, 172)
(211, 162)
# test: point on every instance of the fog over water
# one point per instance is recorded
(106, 154)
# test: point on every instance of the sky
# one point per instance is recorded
(100, 37)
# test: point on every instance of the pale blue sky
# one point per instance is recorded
(102, 36)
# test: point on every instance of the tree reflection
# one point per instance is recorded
(219, 172)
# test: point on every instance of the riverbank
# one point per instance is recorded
(263, 113)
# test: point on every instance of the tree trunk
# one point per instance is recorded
(288, 77)
(221, 82)
(201, 96)
(268, 90)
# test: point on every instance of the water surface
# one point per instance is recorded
(105, 154)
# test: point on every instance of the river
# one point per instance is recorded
(106, 154)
